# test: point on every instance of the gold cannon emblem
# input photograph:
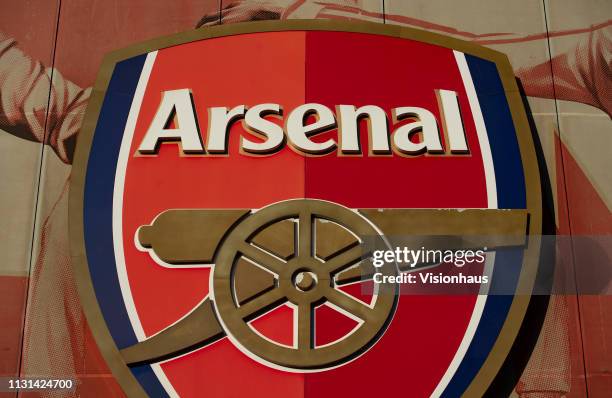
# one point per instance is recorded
(300, 252)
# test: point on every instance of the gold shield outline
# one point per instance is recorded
(519, 305)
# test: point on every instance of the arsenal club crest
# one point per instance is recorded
(237, 189)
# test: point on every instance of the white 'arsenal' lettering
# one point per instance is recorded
(412, 131)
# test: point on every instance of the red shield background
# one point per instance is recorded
(293, 68)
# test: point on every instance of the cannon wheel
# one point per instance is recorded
(305, 282)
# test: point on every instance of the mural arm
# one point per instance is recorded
(583, 74)
(37, 103)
